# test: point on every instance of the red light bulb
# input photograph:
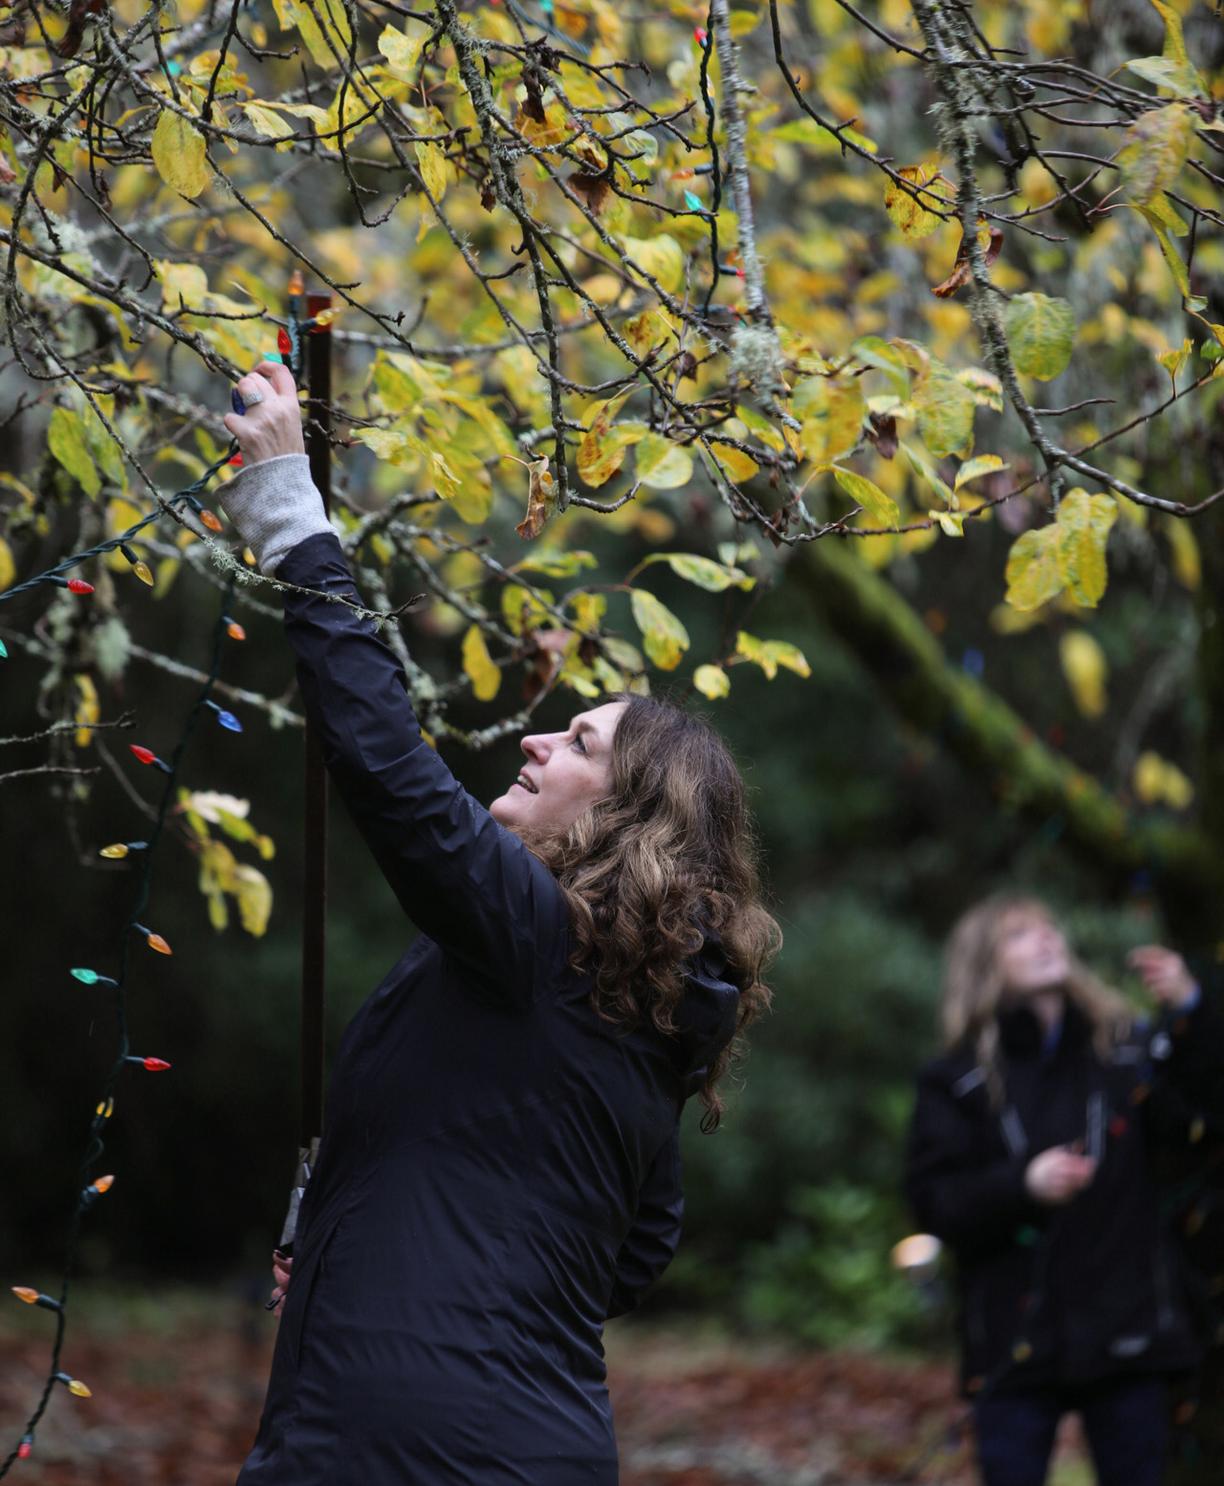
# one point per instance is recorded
(236, 459)
(145, 755)
(155, 1065)
(283, 344)
(79, 585)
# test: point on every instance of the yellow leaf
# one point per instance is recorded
(910, 214)
(972, 469)
(770, 654)
(736, 464)
(832, 412)
(1156, 781)
(951, 523)
(88, 709)
(664, 638)
(180, 154)
(435, 169)
(1083, 528)
(1154, 150)
(1086, 670)
(661, 464)
(1033, 576)
(67, 441)
(661, 257)
(402, 52)
(868, 495)
(712, 682)
(254, 893)
(8, 568)
(478, 666)
(1183, 548)
(1173, 361)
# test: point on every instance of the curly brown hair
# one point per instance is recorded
(668, 855)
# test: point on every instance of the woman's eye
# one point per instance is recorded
(579, 744)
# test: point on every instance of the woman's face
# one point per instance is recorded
(564, 774)
(1032, 955)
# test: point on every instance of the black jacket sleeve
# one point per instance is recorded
(465, 881)
(651, 1242)
(969, 1198)
(1195, 1066)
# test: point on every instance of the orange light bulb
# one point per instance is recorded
(210, 519)
(23, 1292)
(104, 1183)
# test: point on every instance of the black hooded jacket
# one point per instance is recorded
(500, 1167)
(1100, 1285)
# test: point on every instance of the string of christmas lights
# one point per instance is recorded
(91, 1187)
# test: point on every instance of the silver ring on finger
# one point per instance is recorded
(252, 398)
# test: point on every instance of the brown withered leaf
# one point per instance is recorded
(593, 188)
(533, 104)
(541, 499)
(883, 434)
(79, 12)
(961, 270)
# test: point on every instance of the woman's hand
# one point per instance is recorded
(1164, 973)
(1058, 1175)
(282, 1273)
(272, 423)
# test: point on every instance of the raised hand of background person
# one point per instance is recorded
(1165, 974)
(1057, 1175)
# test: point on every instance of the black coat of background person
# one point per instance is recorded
(499, 1170)
(1098, 1287)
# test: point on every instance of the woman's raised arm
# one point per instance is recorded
(463, 879)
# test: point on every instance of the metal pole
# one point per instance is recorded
(314, 921)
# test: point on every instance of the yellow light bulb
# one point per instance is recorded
(78, 1388)
(116, 852)
(143, 572)
(248, 557)
(325, 318)
(106, 1108)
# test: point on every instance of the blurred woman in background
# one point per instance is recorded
(1030, 1155)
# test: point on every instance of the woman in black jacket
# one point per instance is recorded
(1031, 1155)
(499, 1171)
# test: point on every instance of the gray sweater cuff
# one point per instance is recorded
(274, 505)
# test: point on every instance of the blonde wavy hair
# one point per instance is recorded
(973, 986)
(669, 854)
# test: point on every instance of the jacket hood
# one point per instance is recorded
(705, 1020)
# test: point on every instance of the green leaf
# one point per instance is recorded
(661, 464)
(1154, 150)
(923, 467)
(703, 571)
(945, 408)
(478, 666)
(180, 154)
(1181, 78)
(67, 440)
(1041, 333)
(712, 682)
(867, 493)
(664, 638)
(1084, 522)
(1177, 266)
(1033, 576)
